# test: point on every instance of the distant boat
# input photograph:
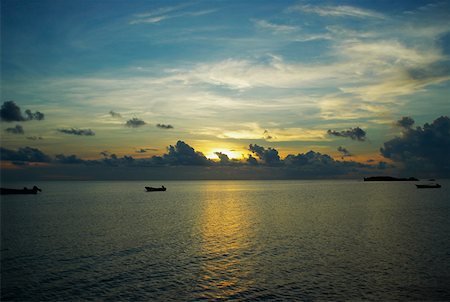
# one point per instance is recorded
(151, 189)
(429, 186)
(6, 191)
(389, 178)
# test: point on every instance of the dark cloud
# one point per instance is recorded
(26, 154)
(353, 133)
(183, 154)
(405, 122)
(344, 152)
(424, 149)
(224, 159)
(269, 156)
(105, 153)
(39, 116)
(144, 150)
(15, 130)
(252, 161)
(115, 114)
(71, 159)
(163, 126)
(76, 131)
(315, 164)
(266, 135)
(135, 122)
(34, 138)
(10, 112)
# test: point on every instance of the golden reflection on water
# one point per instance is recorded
(225, 246)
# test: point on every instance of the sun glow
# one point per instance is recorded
(232, 154)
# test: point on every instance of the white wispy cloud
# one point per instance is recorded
(169, 12)
(337, 11)
(279, 28)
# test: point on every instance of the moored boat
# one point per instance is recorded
(152, 189)
(7, 191)
(428, 186)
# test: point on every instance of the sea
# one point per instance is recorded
(297, 240)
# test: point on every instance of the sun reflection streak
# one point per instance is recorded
(226, 242)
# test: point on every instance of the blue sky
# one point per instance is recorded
(223, 75)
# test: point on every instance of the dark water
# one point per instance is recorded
(231, 240)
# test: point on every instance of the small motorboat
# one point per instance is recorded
(428, 186)
(152, 189)
(6, 191)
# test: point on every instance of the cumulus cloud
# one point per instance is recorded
(344, 152)
(115, 114)
(423, 149)
(15, 130)
(252, 161)
(10, 112)
(135, 122)
(183, 154)
(25, 154)
(224, 159)
(76, 131)
(164, 126)
(353, 133)
(39, 116)
(313, 164)
(405, 122)
(269, 156)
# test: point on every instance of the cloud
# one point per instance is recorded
(76, 131)
(344, 152)
(163, 126)
(252, 161)
(16, 130)
(71, 159)
(424, 149)
(269, 156)
(115, 114)
(405, 122)
(144, 150)
(39, 116)
(224, 159)
(26, 154)
(170, 12)
(315, 164)
(337, 11)
(353, 133)
(278, 28)
(10, 112)
(183, 154)
(135, 122)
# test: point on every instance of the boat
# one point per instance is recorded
(25, 190)
(429, 186)
(152, 189)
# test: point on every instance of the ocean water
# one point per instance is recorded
(226, 240)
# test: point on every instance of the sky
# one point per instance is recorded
(224, 89)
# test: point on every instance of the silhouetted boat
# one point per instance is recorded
(151, 189)
(6, 191)
(429, 186)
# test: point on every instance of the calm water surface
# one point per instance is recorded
(230, 240)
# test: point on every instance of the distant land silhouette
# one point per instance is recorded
(389, 178)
